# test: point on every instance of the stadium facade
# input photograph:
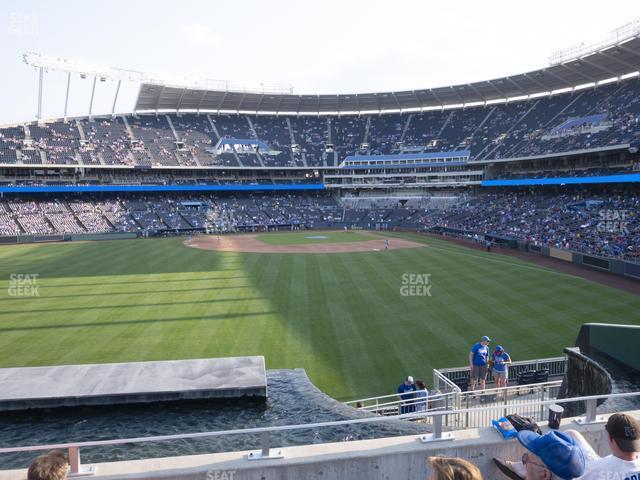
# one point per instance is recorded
(380, 160)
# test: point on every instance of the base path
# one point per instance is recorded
(250, 244)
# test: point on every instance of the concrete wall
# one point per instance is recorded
(619, 342)
(584, 377)
(391, 458)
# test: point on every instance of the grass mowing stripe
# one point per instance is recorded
(339, 316)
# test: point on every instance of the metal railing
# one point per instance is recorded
(438, 418)
(503, 400)
(442, 383)
(556, 367)
(505, 397)
(392, 405)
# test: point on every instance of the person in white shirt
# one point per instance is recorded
(568, 456)
(624, 441)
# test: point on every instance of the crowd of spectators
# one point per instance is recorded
(603, 222)
(587, 119)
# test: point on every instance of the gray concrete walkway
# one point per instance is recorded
(137, 382)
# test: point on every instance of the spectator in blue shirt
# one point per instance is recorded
(478, 359)
(406, 393)
(421, 396)
(501, 360)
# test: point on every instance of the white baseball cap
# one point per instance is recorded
(409, 379)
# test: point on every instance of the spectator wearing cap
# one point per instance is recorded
(478, 359)
(501, 360)
(554, 453)
(406, 393)
(624, 441)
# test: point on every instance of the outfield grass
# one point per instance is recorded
(302, 238)
(340, 316)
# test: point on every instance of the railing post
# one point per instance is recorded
(437, 427)
(437, 434)
(75, 467)
(74, 460)
(446, 407)
(592, 404)
(264, 443)
(591, 416)
(265, 452)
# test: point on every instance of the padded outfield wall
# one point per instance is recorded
(619, 342)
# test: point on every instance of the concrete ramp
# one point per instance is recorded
(136, 382)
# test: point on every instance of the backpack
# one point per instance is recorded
(523, 423)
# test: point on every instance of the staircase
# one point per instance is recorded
(81, 131)
(406, 127)
(128, 127)
(214, 128)
(255, 135)
(366, 130)
(293, 141)
(516, 123)
(444, 125)
(173, 130)
(477, 129)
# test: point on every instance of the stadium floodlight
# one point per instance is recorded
(104, 73)
(618, 36)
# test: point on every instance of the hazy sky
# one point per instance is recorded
(318, 47)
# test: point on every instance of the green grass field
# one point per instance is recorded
(340, 316)
(302, 238)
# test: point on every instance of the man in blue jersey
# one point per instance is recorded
(406, 392)
(478, 358)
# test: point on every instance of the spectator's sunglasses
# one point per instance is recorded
(525, 460)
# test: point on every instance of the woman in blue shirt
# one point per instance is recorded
(501, 360)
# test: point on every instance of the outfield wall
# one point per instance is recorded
(66, 238)
(594, 262)
(620, 342)
(397, 457)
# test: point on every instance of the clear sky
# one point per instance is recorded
(331, 46)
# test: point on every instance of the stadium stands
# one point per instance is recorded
(576, 220)
(605, 116)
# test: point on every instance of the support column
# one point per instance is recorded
(66, 97)
(115, 99)
(93, 91)
(40, 79)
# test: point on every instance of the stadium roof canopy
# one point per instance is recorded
(614, 61)
(614, 58)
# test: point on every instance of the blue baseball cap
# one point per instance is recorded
(499, 348)
(485, 339)
(557, 450)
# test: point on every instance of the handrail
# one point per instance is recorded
(281, 428)
(437, 374)
(511, 365)
(349, 402)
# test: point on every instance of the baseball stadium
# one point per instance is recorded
(222, 274)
